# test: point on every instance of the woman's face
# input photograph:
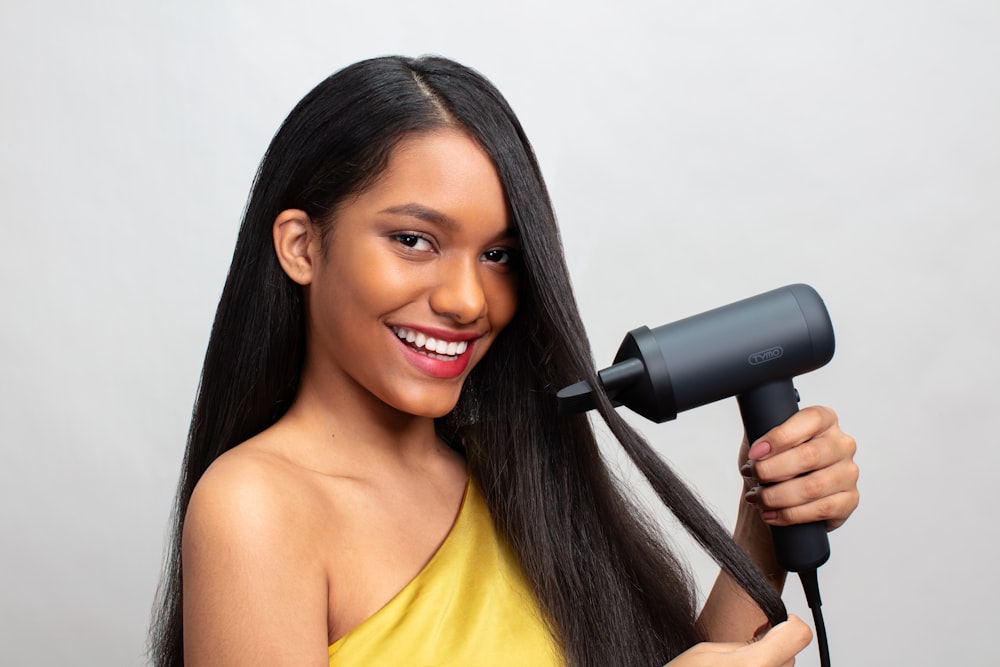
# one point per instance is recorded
(418, 278)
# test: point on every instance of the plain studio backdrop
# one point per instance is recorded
(697, 153)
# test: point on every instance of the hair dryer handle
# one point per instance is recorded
(802, 546)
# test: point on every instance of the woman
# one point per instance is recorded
(375, 471)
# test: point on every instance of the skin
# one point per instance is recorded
(296, 536)
(777, 648)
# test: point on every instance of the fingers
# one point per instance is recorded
(777, 648)
(810, 440)
(832, 510)
(829, 494)
(803, 426)
(805, 471)
(780, 645)
(822, 451)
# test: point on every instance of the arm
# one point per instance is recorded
(807, 466)
(254, 591)
(729, 615)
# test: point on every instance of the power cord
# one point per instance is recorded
(810, 584)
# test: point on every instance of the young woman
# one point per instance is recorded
(376, 474)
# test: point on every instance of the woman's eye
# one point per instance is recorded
(414, 241)
(505, 256)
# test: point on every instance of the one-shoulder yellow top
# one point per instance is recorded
(469, 606)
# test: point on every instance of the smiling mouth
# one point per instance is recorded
(431, 347)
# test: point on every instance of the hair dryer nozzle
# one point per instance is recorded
(579, 397)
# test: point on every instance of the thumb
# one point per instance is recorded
(780, 645)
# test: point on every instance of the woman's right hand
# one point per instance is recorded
(775, 649)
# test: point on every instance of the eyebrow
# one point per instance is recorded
(423, 213)
(433, 216)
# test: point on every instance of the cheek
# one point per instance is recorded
(381, 288)
(503, 302)
(368, 279)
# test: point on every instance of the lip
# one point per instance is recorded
(437, 368)
(440, 334)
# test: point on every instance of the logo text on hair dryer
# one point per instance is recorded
(764, 356)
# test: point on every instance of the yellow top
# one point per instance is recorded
(470, 605)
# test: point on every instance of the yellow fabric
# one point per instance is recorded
(470, 605)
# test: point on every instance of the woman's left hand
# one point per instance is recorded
(803, 471)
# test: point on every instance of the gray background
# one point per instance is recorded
(697, 153)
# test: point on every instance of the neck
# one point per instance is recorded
(356, 431)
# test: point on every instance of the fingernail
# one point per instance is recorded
(753, 495)
(747, 469)
(767, 515)
(759, 451)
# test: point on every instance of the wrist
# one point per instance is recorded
(754, 537)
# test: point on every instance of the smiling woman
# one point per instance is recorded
(424, 251)
(376, 473)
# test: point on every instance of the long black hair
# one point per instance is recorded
(610, 588)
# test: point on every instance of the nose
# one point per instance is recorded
(459, 292)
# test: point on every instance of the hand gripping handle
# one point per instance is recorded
(803, 546)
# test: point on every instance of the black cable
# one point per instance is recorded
(810, 584)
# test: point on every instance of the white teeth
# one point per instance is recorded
(442, 347)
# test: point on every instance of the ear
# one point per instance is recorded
(294, 238)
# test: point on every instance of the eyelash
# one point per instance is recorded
(509, 256)
(411, 240)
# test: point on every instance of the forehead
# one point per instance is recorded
(444, 171)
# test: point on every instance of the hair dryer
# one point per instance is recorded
(750, 349)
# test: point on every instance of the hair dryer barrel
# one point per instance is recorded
(720, 353)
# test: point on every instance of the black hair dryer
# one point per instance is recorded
(750, 349)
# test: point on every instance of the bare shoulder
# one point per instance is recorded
(254, 582)
(246, 490)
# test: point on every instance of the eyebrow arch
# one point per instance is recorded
(433, 216)
(424, 213)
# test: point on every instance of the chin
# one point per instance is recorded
(429, 405)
